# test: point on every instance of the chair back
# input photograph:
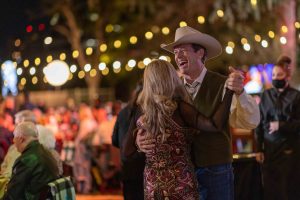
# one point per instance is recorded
(61, 189)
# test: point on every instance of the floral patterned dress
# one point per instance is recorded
(169, 172)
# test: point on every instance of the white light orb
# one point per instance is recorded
(163, 58)
(264, 43)
(57, 72)
(117, 65)
(102, 66)
(146, 61)
(229, 50)
(131, 63)
(283, 40)
(247, 47)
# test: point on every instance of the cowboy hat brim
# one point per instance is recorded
(212, 46)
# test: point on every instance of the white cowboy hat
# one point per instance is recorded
(188, 35)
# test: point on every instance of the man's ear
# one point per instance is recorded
(200, 53)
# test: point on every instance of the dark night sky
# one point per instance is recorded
(13, 20)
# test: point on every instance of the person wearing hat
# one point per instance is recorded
(211, 151)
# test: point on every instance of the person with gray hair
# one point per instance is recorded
(35, 167)
(12, 153)
(45, 136)
(25, 115)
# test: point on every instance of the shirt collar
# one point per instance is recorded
(199, 79)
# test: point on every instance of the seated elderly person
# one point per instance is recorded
(35, 167)
(46, 138)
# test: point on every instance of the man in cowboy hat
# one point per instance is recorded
(211, 151)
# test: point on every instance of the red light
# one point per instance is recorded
(29, 28)
(41, 27)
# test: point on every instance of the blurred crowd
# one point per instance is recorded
(83, 139)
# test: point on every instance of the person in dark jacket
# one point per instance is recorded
(132, 170)
(34, 169)
(278, 135)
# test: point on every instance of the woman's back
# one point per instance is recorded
(169, 171)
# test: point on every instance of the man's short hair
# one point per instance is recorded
(197, 47)
(26, 129)
(25, 116)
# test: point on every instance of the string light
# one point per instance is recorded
(165, 30)
(117, 44)
(70, 76)
(117, 65)
(105, 71)
(148, 35)
(141, 65)
(17, 42)
(220, 13)
(87, 67)
(75, 54)
(73, 68)
(284, 29)
(247, 47)
(34, 80)
(23, 81)
(81, 74)
(62, 56)
(89, 51)
(131, 63)
(283, 40)
(182, 24)
(133, 39)
(48, 40)
(102, 66)
(253, 2)
(49, 59)
(231, 44)
(103, 47)
(32, 71)
(93, 73)
(37, 61)
(163, 58)
(201, 19)
(244, 41)
(257, 38)
(19, 71)
(109, 28)
(229, 50)
(146, 61)
(26, 63)
(155, 29)
(271, 34)
(264, 43)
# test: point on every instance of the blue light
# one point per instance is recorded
(9, 78)
(260, 78)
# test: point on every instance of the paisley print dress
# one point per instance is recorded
(169, 172)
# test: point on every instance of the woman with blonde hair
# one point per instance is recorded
(167, 117)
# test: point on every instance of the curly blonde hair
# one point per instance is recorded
(157, 99)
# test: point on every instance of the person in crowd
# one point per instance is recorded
(167, 117)
(285, 61)
(132, 180)
(278, 136)
(211, 151)
(83, 156)
(45, 137)
(108, 160)
(34, 169)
